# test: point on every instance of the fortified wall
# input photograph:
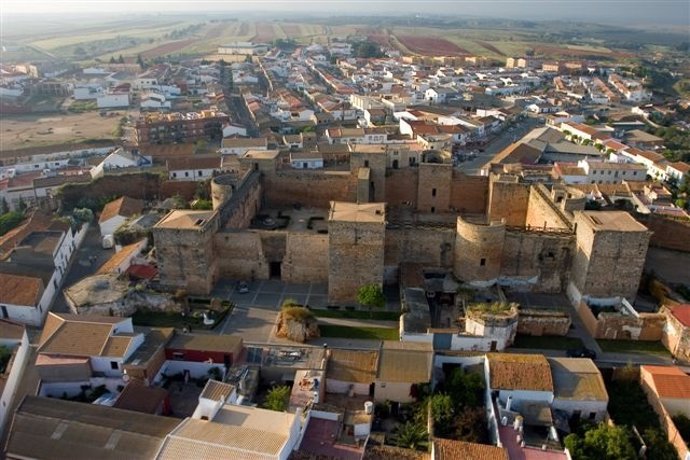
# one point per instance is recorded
(485, 229)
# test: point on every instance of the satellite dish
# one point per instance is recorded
(125, 378)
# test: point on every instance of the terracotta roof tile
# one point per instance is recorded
(357, 366)
(509, 371)
(123, 206)
(669, 381)
(447, 449)
(20, 290)
(682, 314)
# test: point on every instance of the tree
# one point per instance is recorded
(140, 61)
(10, 220)
(411, 435)
(277, 398)
(82, 215)
(602, 442)
(121, 60)
(371, 295)
(465, 388)
(470, 425)
(442, 411)
(112, 59)
(4, 207)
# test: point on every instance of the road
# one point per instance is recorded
(498, 143)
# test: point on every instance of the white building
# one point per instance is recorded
(13, 337)
(117, 212)
(579, 389)
(306, 160)
(113, 100)
(195, 168)
(600, 172)
(232, 129)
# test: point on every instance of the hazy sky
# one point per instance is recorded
(601, 11)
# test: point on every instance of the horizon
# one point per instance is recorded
(628, 12)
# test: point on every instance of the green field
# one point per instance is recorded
(633, 346)
(357, 314)
(372, 333)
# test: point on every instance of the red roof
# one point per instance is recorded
(682, 314)
(669, 381)
(142, 272)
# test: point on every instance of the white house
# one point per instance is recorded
(579, 389)
(154, 101)
(677, 170)
(240, 146)
(117, 212)
(438, 95)
(351, 371)
(195, 168)
(40, 261)
(86, 92)
(518, 379)
(65, 361)
(306, 160)
(12, 336)
(233, 129)
(121, 158)
(601, 172)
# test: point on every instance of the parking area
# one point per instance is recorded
(270, 294)
(256, 310)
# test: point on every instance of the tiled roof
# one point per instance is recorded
(357, 366)
(139, 398)
(206, 342)
(116, 260)
(205, 439)
(447, 449)
(217, 391)
(406, 366)
(509, 371)
(123, 206)
(20, 290)
(72, 335)
(682, 314)
(53, 428)
(669, 381)
(577, 379)
(9, 330)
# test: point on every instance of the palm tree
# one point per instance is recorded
(411, 435)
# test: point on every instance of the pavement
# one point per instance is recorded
(85, 262)
(255, 314)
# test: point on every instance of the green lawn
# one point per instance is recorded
(176, 320)
(357, 314)
(546, 342)
(633, 346)
(379, 333)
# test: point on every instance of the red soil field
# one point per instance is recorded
(264, 32)
(167, 48)
(430, 46)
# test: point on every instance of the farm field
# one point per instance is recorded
(55, 129)
(430, 46)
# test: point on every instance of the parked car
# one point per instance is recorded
(242, 287)
(582, 352)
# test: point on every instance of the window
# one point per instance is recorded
(366, 163)
(200, 173)
(433, 209)
(592, 416)
(186, 174)
(433, 192)
(482, 262)
(114, 366)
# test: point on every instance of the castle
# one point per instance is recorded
(359, 226)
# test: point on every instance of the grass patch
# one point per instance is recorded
(547, 342)
(357, 314)
(378, 333)
(633, 346)
(176, 320)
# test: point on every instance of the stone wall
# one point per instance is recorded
(469, 194)
(508, 201)
(539, 261)
(376, 162)
(243, 205)
(145, 186)
(434, 187)
(356, 258)
(542, 212)
(676, 336)
(608, 263)
(431, 246)
(306, 258)
(310, 189)
(667, 233)
(186, 257)
(240, 255)
(478, 251)
(401, 187)
(543, 322)
(617, 326)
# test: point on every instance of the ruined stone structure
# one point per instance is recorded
(349, 228)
